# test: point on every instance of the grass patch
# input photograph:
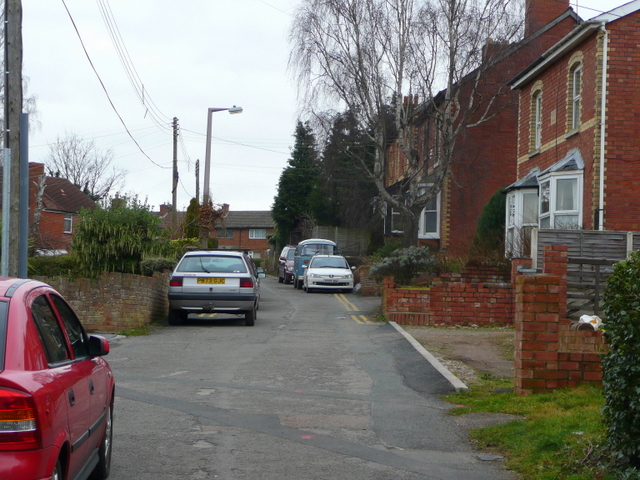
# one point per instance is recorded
(562, 435)
(136, 332)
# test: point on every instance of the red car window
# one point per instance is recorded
(49, 330)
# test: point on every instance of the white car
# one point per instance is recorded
(328, 272)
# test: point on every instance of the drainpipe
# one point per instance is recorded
(603, 124)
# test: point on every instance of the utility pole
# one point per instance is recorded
(12, 111)
(174, 191)
(198, 180)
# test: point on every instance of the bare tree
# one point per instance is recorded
(83, 164)
(421, 59)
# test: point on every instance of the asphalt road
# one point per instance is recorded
(315, 390)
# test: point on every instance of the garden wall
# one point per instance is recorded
(548, 353)
(115, 301)
(477, 296)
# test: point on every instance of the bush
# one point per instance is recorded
(116, 238)
(151, 265)
(54, 266)
(405, 264)
(621, 365)
(387, 249)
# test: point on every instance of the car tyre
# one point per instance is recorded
(176, 317)
(308, 290)
(57, 471)
(103, 468)
(250, 317)
(348, 290)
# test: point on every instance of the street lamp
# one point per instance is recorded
(204, 229)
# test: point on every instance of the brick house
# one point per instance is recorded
(247, 230)
(578, 160)
(52, 220)
(483, 159)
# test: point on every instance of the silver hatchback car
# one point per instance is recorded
(214, 281)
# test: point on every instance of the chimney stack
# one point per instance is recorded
(540, 12)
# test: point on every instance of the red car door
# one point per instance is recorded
(96, 370)
(71, 376)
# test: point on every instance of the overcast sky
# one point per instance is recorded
(185, 57)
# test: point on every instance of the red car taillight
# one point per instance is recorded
(246, 283)
(175, 282)
(18, 426)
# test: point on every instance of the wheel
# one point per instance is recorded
(176, 317)
(250, 317)
(308, 290)
(57, 471)
(299, 282)
(287, 279)
(104, 454)
(348, 290)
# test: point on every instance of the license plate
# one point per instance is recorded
(215, 281)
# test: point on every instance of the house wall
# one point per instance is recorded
(483, 161)
(556, 139)
(622, 168)
(241, 240)
(622, 176)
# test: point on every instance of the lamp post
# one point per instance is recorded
(204, 227)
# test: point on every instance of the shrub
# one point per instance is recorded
(150, 265)
(405, 264)
(116, 238)
(621, 365)
(387, 249)
(54, 266)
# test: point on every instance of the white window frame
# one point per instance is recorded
(396, 216)
(68, 223)
(257, 233)
(422, 233)
(576, 86)
(516, 229)
(537, 120)
(553, 218)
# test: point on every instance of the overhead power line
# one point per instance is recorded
(104, 88)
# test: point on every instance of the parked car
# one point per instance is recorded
(307, 249)
(328, 272)
(214, 281)
(56, 390)
(285, 264)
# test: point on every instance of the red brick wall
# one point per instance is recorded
(622, 194)
(115, 301)
(478, 296)
(368, 285)
(405, 305)
(548, 354)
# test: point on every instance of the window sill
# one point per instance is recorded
(571, 133)
(533, 153)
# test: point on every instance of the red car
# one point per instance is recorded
(56, 390)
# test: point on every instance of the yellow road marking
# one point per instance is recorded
(352, 308)
(361, 319)
(344, 301)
